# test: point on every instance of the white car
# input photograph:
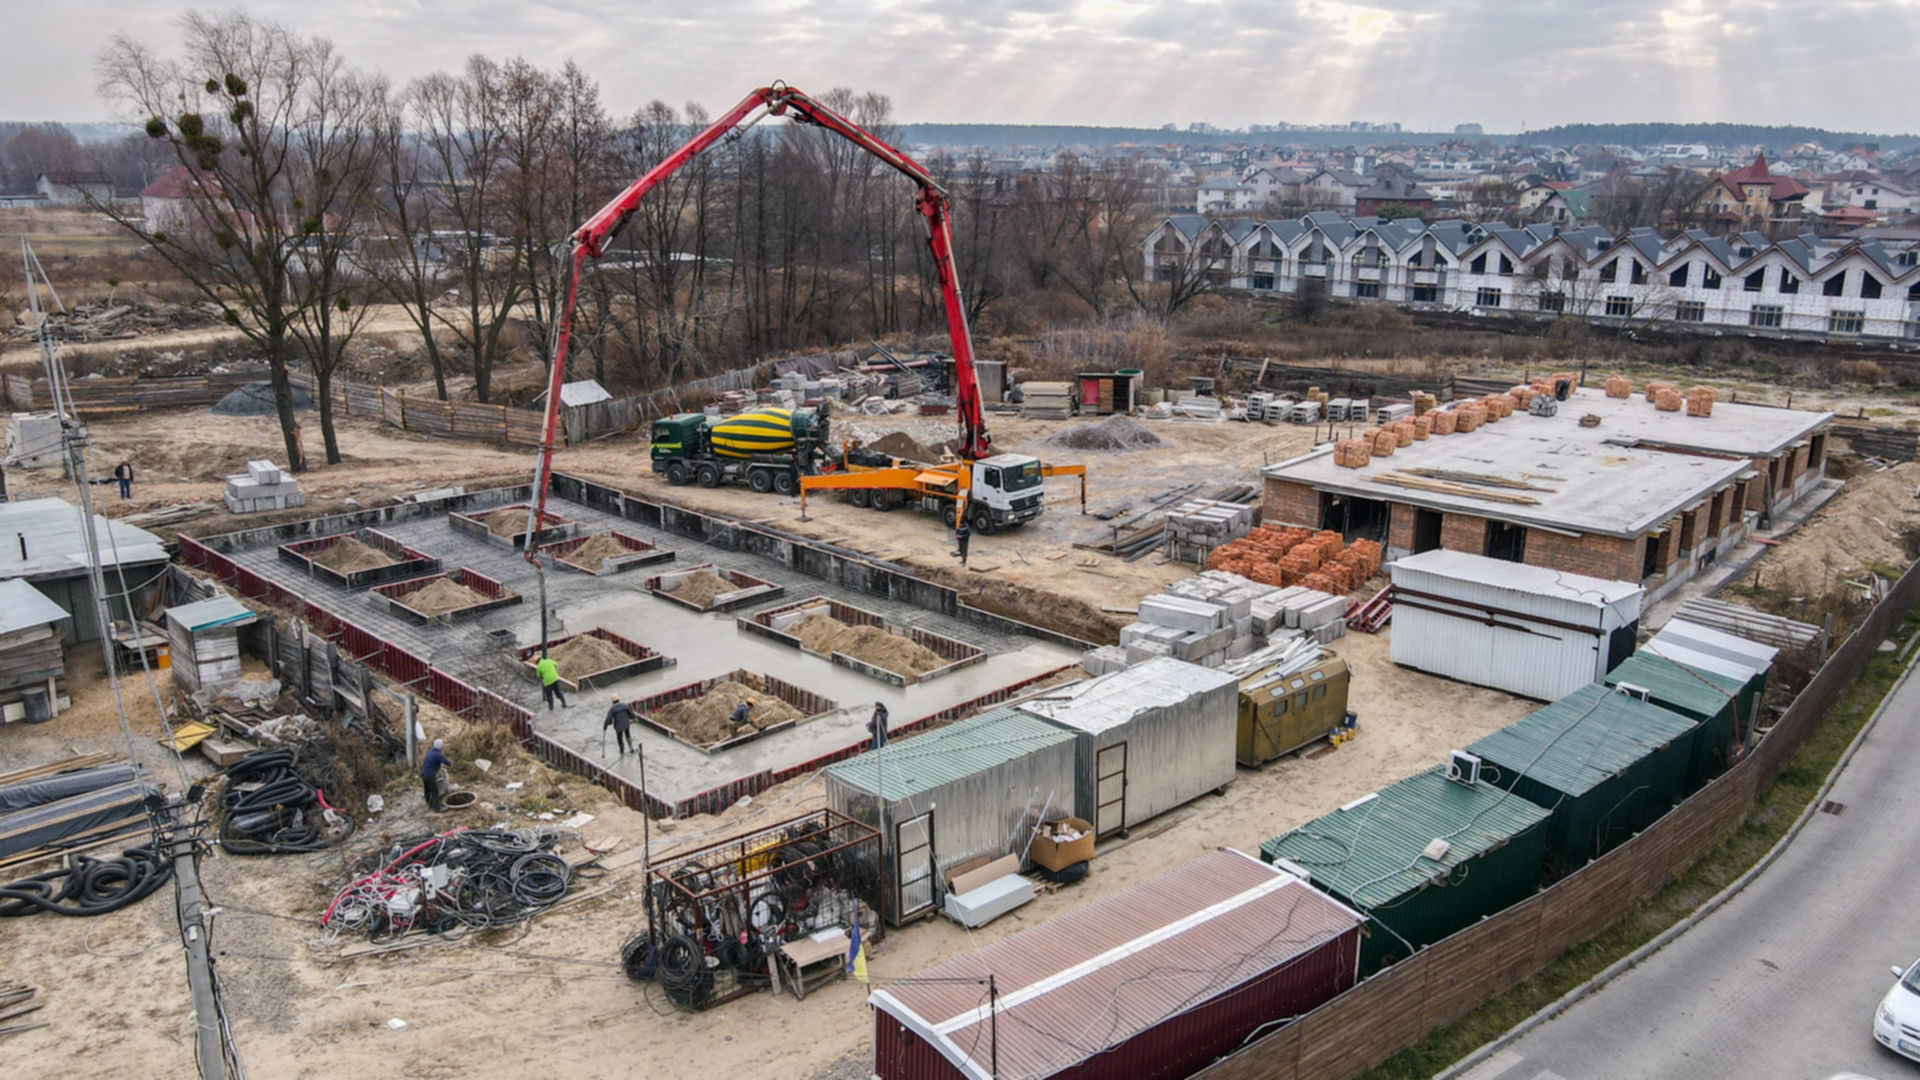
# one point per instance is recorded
(1896, 1023)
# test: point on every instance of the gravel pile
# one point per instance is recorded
(1112, 433)
(256, 399)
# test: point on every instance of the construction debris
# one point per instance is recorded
(256, 399)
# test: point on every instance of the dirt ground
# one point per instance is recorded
(1863, 528)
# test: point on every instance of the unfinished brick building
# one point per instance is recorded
(1641, 495)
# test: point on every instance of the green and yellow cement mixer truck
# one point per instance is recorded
(765, 448)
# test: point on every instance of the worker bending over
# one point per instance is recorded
(432, 778)
(550, 687)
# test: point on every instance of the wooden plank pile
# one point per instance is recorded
(1046, 400)
(1145, 532)
(18, 1000)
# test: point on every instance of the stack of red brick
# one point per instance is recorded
(1290, 556)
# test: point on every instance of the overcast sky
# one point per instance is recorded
(1429, 64)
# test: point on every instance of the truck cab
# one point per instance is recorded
(1005, 490)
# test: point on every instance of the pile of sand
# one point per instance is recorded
(509, 522)
(902, 445)
(702, 586)
(348, 555)
(1859, 529)
(441, 595)
(595, 550)
(586, 655)
(703, 720)
(1113, 433)
(902, 656)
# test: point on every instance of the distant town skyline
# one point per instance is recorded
(1133, 63)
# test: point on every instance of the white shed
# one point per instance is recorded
(1150, 738)
(1527, 630)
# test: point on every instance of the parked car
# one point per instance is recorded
(1896, 1023)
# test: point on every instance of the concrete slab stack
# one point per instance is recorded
(263, 487)
(1216, 617)
(1197, 526)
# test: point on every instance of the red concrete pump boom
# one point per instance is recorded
(590, 240)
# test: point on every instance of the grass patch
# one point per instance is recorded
(1770, 819)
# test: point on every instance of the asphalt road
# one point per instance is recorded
(1782, 981)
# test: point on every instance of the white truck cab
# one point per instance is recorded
(1005, 490)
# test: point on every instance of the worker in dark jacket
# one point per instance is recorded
(430, 777)
(878, 725)
(738, 717)
(123, 472)
(620, 718)
(960, 535)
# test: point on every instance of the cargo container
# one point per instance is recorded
(1527, 630)
(1148, 739)
(1282, 713)
(940, 799)
(1709, 698)
(1422, 859)
(1605, 764)
(1153, 983)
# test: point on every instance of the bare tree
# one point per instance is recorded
(232, 108)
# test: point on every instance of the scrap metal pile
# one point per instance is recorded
(440, 883)
(716, 915)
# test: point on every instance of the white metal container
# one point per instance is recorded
(1528, 630)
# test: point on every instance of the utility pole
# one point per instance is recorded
(208, 1047)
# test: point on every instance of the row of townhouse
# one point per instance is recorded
(1802, 286)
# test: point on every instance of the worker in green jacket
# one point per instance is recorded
(549, 673)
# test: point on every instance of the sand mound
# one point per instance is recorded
(1112, 433)
(595, 550)
(348, 555)
(902, 445)
(440, 596)
(1858, 529)
(902, 656)
(508, 522)
(701, 587)
(585, 655)
(703, 720)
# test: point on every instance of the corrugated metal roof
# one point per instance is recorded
(1370, 851)
(1699, 691)
(1753, 655)
(22, 606)
(1518, 577)
(205, 614)
(1581, 741)
(922, 763)
(57, 543)
(583, 392)
(1088, 980)
(1100, 704)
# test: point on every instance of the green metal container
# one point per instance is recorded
(1712, 699)
(1605, 764)
(1369, 855)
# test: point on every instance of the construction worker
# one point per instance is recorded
(878, 725)
(123, 472)
(738, 717)
(960, 535)
(431, 776)
(620, 718)
(549, 673)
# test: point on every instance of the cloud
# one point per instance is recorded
(1426, 63)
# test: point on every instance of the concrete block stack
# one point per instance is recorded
(1199, 526)
(1104, 660)
(262, 487)
(1215, 618)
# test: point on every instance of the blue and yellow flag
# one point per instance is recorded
(857, 955)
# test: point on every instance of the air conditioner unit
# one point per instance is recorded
(1463, 768)
(1638, 693)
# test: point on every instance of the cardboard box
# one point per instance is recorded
(1056, 856)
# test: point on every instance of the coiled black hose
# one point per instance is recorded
(285, 814)
(89, 886)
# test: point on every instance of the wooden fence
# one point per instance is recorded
(1399, 1006)
(105, 397)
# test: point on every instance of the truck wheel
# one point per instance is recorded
(883, 500)
(678, 474)
(760, 480)
(707, 475)
(783, 483)
(982, 520)
(858, 497)
(946, 516)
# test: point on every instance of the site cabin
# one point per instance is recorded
(1282, 713)
(999, 492)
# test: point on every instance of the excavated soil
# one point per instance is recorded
(440, 596)
(703, 720)
(507, 522)
(595, 550)
(904, 657)
(701, 587)
(348, 555)
(585, 655)
(1863, 527)
(1113, 433)
(902, 445)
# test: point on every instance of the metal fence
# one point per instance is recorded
(1396, 1008)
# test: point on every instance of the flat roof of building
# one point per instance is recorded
(1618, 478)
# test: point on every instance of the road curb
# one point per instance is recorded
(1621, 966)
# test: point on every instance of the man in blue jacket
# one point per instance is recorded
(430, 767)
